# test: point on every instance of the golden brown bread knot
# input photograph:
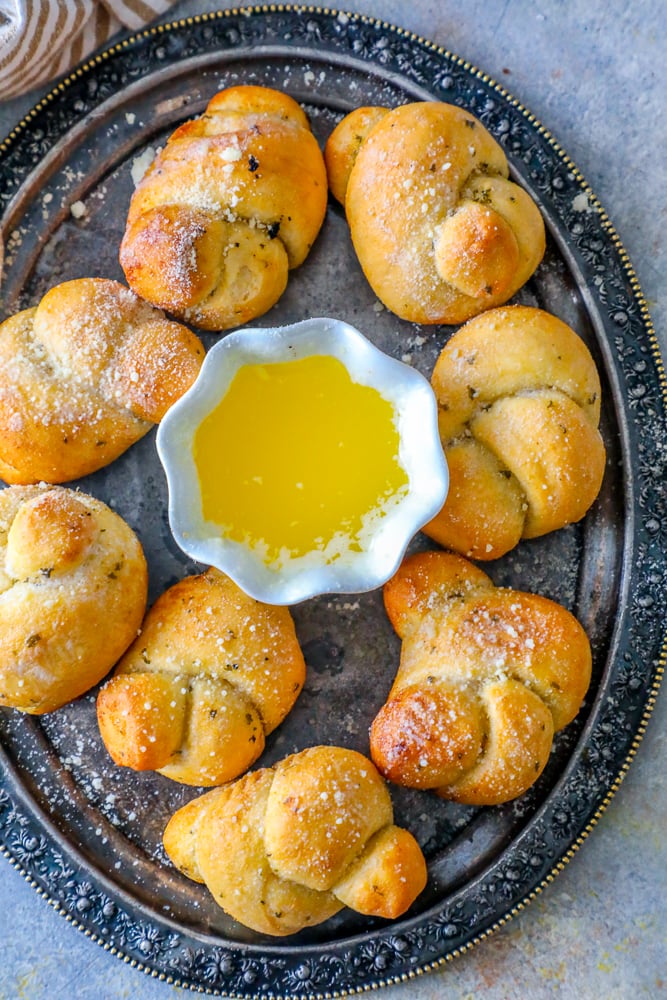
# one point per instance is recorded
(234, 200)
(84, 375)
(73, 587)
(487, 675)
(440, 231)
(519, 404)
(212, 672)
(287, 847)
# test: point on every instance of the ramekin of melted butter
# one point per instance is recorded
(302, 461)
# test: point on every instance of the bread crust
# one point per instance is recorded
(518, 410)
(440, 230)
(487, 675)
(286, 847)
(234, 200)
(83, 375)
(212, 673)
(73, 584)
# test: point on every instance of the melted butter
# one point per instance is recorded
(298, 458)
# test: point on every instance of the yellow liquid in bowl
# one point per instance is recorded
(297, 458)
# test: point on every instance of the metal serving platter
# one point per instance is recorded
(88, 834)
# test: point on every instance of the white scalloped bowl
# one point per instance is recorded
(420, 456)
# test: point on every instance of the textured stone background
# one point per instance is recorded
(591, 73)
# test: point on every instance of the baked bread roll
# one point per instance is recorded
(211, 674)
(518, 408)
(233, 201)
(440, 231)
(73, 587)
(287, 847)
(343, 145)
(487, 675)
(84, 375)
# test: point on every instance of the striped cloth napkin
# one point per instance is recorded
(41, 39)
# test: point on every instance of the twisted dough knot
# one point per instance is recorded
(287, 847)
(519, 404)
(211, 674)
(234, 200)
(487, 675)
(84, 375)
(440, 231)
(73, 585)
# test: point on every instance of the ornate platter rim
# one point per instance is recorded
(410, 947)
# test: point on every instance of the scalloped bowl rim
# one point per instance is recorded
(420, 454)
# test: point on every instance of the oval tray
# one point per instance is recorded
(88, 834)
